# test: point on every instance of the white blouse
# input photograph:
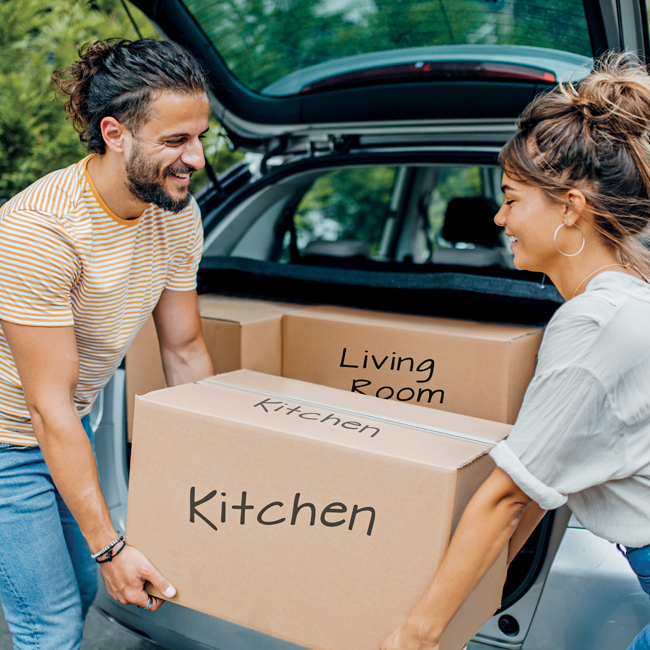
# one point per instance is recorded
(583, 432)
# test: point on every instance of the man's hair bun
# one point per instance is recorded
(73, 83)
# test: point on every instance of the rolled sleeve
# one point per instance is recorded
(566, 439)
(545, 496)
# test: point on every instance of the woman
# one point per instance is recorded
(577, 207)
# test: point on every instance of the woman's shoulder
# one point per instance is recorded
(605, 298)
(609, 318)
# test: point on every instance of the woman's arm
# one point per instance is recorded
(533, 514)
(488, 523)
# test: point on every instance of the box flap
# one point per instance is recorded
(240, 310)
(452, 327)
(335, 416)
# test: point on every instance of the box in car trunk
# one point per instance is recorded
(467, 367)
(239, 333)
(305, 512)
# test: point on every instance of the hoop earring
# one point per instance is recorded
(558, 248)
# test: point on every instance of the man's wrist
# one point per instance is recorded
(100, 540)
(109, 549)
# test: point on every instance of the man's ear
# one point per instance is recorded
(577, 205)
(115, 134)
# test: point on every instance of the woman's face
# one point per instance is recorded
(530, 219)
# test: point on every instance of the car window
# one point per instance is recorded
(452, 183)
(263, 42)
(343, 214)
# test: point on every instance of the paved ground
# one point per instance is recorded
(99, 634)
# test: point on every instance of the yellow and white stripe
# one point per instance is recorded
(66, 259)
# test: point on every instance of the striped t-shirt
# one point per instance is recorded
(67, 260)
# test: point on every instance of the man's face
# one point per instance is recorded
(167, 150)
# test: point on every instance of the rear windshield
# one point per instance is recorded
(263, 41)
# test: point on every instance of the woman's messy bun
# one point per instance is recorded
(594, 135)
(120, 78)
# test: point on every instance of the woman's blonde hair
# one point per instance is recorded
(594, 135)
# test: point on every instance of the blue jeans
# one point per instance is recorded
(639, 559)
(48, 580)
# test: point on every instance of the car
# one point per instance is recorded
(372, 130)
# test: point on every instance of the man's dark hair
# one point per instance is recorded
(120, 79)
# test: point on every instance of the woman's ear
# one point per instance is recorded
(576, 206)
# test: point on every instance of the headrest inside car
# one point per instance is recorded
(471, 221)
(340, 248)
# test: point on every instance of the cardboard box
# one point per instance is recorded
(305, 512)
(239, 333)
(477, 369)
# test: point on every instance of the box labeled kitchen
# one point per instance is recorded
(239, 333)
(312, 514)
(467, 367)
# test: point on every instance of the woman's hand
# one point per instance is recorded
(126, 575)
(488, 523)
(406, 638)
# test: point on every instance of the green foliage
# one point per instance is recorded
(38, 37)
(265, 40)
(347, 204)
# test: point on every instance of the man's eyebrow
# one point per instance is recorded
(181, 135)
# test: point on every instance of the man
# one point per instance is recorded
(86, 254)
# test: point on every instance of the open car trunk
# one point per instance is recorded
(413, 116)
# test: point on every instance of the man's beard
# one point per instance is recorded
(145, 181)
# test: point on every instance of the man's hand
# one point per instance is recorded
(48, 365)
(126, 575)
(406, 638)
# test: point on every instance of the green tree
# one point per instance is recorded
(36, 38)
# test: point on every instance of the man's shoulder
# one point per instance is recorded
(56, 193)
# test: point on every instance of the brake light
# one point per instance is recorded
(433, 70)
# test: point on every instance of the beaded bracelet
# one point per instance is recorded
(94, 556)
(110, 554)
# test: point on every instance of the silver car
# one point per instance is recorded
(372, 129)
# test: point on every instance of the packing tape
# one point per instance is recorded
(378, 418)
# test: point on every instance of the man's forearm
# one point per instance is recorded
(70, 459)
(188, 364)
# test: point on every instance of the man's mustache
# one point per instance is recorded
(179, 170)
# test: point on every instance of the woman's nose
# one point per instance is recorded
(500, 217)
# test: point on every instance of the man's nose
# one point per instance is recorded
(193, 154)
